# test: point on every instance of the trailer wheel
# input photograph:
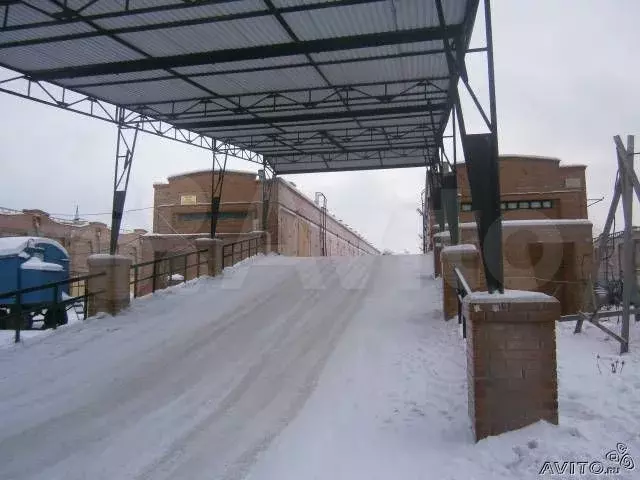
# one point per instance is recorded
(62, 316)
(49, 318)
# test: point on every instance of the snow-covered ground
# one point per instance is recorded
(335, 368)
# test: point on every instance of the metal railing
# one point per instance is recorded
(54, 310)
(462, 290)
(166, 271)
(235, 252)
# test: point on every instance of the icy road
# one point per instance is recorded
(292, 369)
(190, 383)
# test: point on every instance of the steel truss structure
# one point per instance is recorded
(296, 86)
(627, 184)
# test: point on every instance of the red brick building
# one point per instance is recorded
(547, 237)
(182, 212)
(79, 238)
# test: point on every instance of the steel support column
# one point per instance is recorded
(481, 156)
(216, 186)
(126, 144)
(629, 284)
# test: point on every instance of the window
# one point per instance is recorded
(188, 199)
(512, 205)
(524, 205)
(503, 205)
(466, 207)
(547, 204)
(193, 216)
(536, 204)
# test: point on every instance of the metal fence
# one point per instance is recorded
(235, 252)
(19, 314)
(462, 289)
(147, 277)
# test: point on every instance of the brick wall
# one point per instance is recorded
(80, 239)
(525, 178)
(553, 259)
(241, 194)
(293, 219)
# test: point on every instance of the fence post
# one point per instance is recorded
(85, 307)
(135, 281)
(185, 267)
(56, 307)
(19, 319)
(198, 264)
(154, 274)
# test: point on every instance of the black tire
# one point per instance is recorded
(62, 317)
(50, 318)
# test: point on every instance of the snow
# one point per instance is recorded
(15, 245)
(463, 247)
(509, 296)
(444, 234)
(34, 263)
(536, 223)
(176, 277)
(284, 368)
(107, 256)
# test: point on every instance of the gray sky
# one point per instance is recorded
(566, 79)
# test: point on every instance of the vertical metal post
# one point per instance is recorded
(185, 267)
(56, 307)
(135, 281)
(85, 307)
(19, 313)
(629, 266)
(491, 73)
(198, 264)
(154, 275)
(216, 190)
(124, 157)
(213, 190)
(265, 200)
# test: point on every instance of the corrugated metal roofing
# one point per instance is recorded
(310, 84)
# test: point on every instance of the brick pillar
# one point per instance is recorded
(114, 288)
(511, 360)
(214, 254)
(439, 242)
(266, 242)
(467, 259)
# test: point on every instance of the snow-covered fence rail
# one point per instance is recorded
(166, 271)
(47, 303)
(235, 252)
(463, 289)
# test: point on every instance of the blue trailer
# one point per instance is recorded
(30, 262)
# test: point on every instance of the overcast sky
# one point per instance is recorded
(566, 78)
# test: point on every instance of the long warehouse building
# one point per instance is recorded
(298, 226)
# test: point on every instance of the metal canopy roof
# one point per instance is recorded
(311, 85)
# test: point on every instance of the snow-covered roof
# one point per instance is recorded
(208, 171)
(10, 246)
(34, 263)
(509, 296)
